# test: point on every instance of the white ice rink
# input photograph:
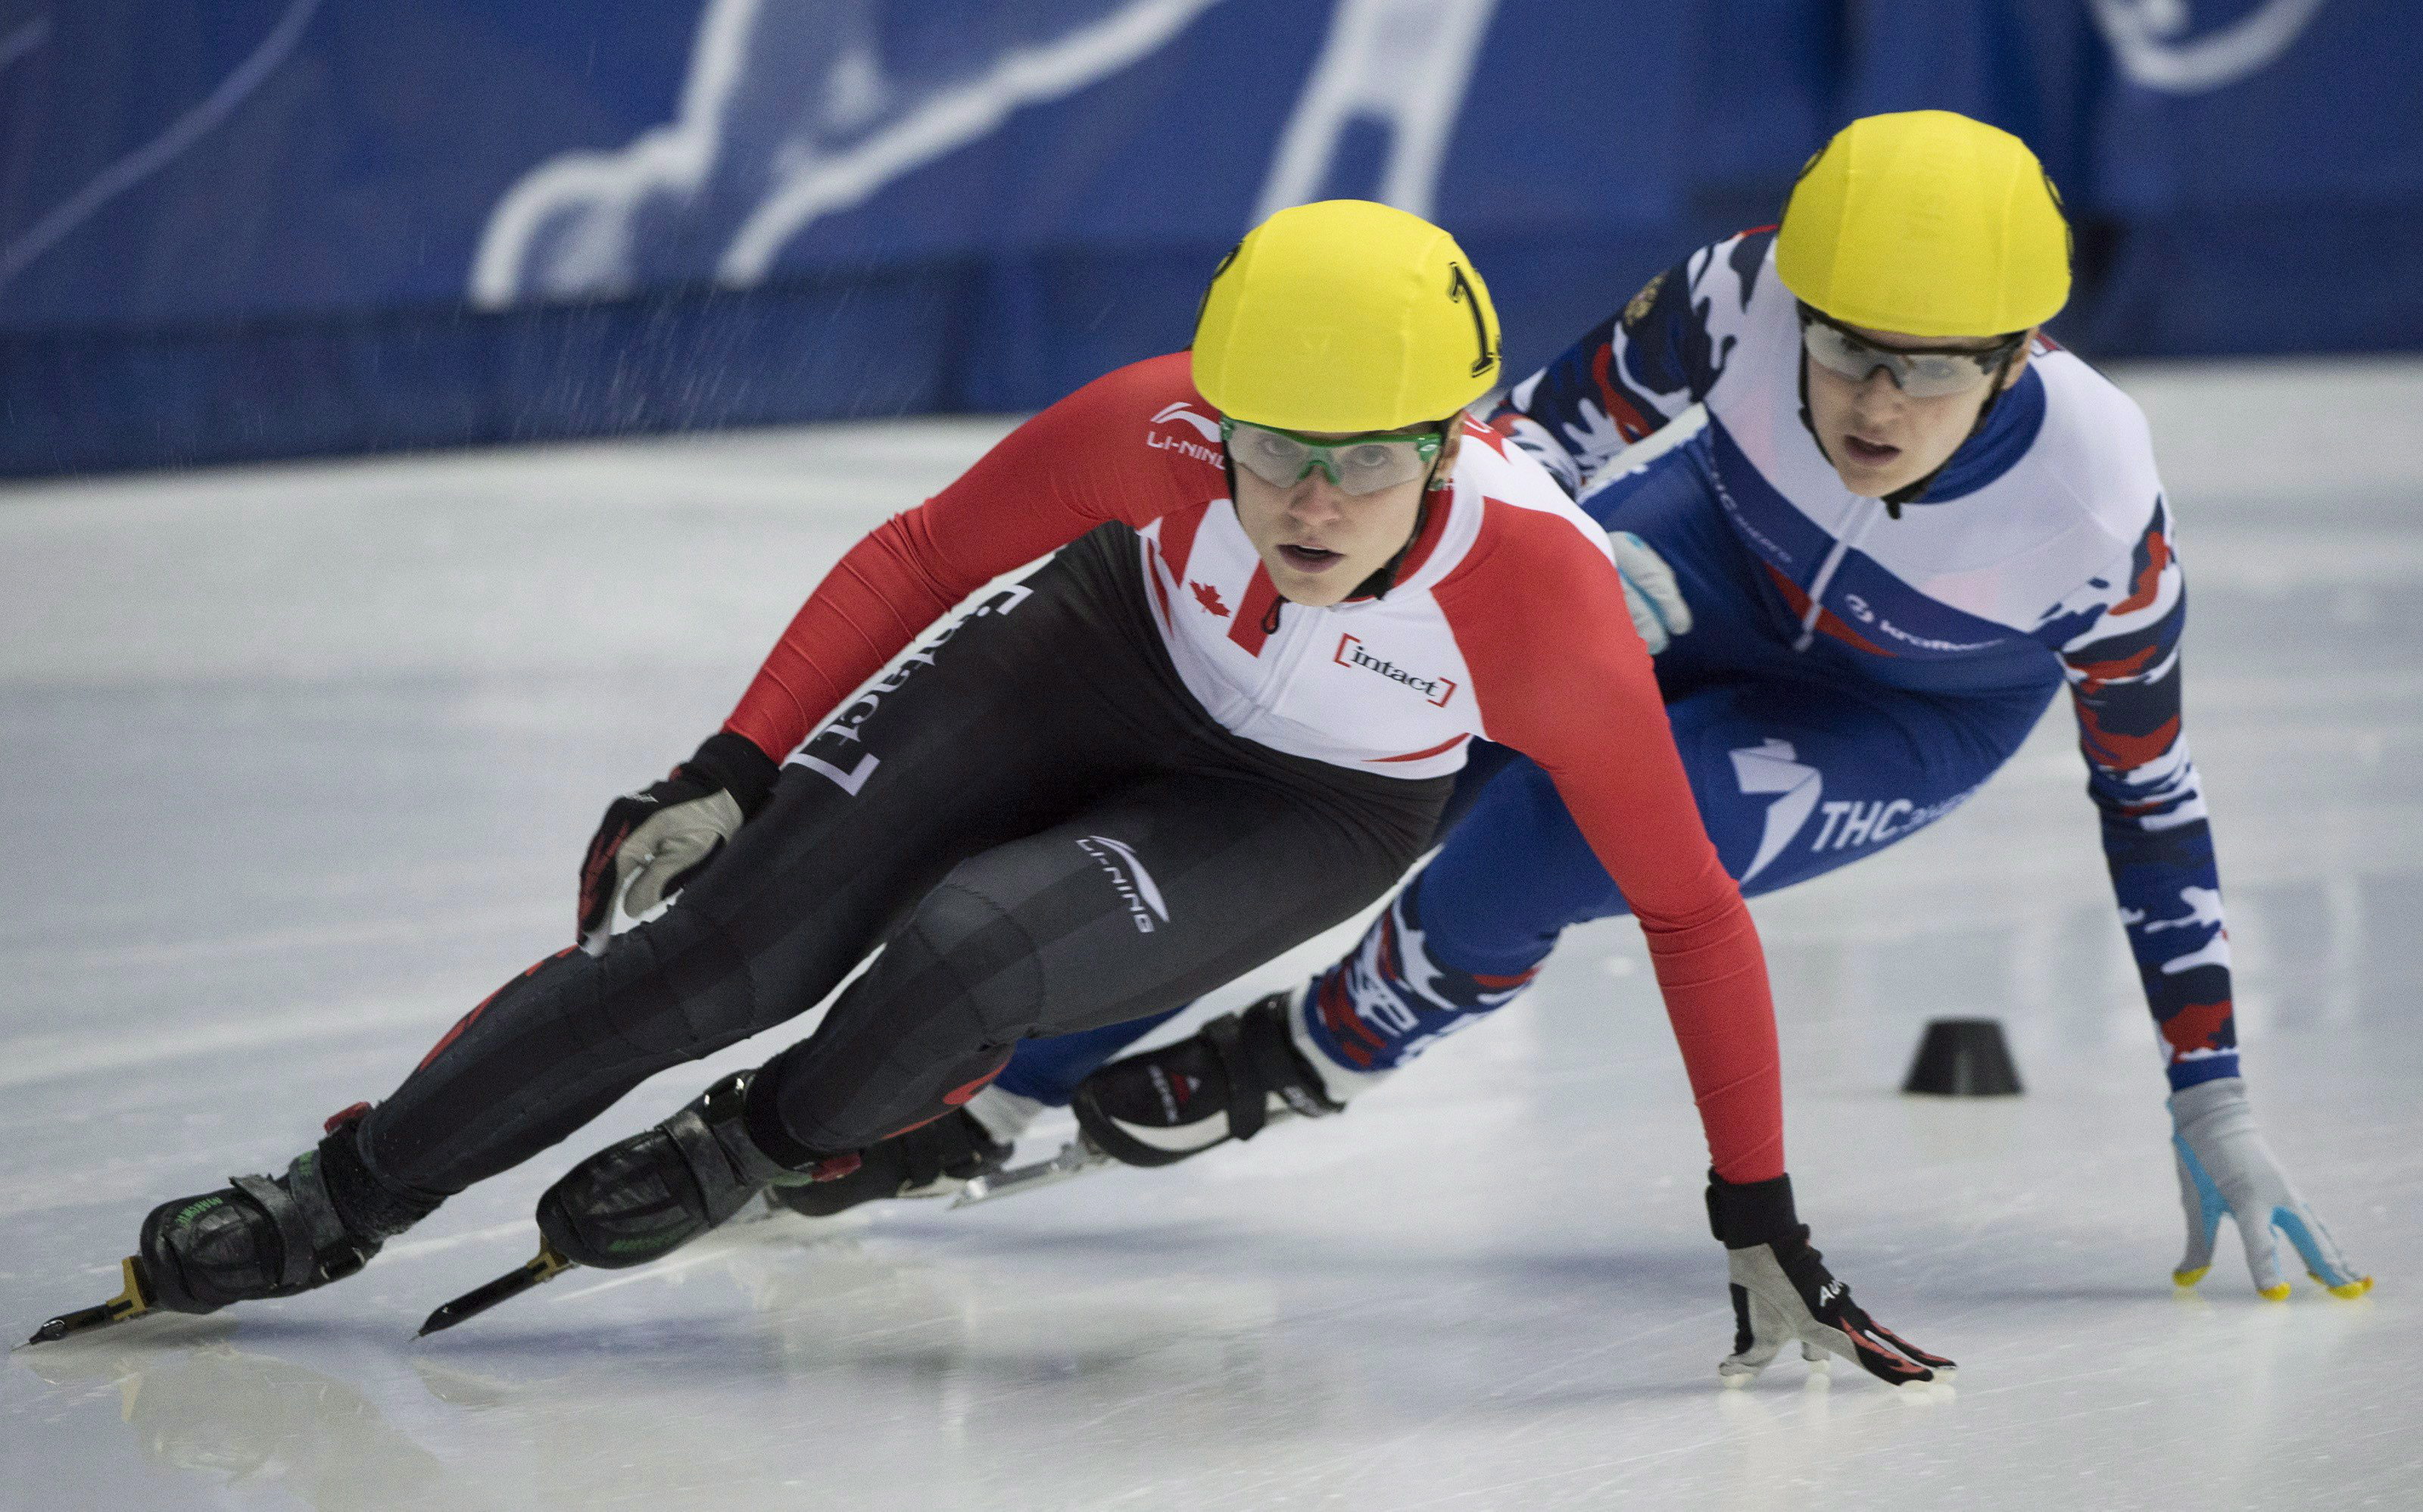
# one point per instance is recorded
(296, 763)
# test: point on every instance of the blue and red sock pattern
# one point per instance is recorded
(1388, 1000)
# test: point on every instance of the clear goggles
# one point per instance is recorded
(1357, 465)
(1921, 372)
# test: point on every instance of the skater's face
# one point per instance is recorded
(1880, 437)
(1319, 541)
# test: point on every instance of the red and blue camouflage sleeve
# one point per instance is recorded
(2123, 668)
(1640, 368)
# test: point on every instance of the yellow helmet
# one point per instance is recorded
(1346, 316)
(1930, 224)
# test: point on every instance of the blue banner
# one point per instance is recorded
(238, 229)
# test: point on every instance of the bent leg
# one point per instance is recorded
(1791, 780)
(1133, 908)
(1047, 1070)
(944, 757)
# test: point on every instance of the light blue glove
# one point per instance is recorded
(2227, 1170)
(1656, 604)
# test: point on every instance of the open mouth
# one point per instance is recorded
(1310, 558)
(1870, 453)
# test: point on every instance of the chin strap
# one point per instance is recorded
(1271, 615)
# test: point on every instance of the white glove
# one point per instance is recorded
(2225, 1169)
(1658, 612)
(669, 845)
(652, 842)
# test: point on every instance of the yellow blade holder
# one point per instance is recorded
(135, 1300)
(546, 1266)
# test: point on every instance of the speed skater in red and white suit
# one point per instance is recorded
(1223, 717)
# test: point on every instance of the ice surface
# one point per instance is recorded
(295, 762)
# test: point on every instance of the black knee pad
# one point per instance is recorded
(960, 945)
(930, 1023)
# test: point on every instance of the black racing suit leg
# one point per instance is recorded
(1173, 883)
(940, 758)
(975, 807)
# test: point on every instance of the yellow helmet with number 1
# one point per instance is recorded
(1345, 315)
(1928, 224)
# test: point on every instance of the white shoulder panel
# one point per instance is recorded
(2030, 540)
(2097, 443)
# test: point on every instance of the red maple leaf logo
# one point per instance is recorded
(1209, 597)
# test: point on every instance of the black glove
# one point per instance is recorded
(652, 842)
(1782, 1291)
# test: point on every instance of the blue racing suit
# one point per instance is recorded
(1854, 670)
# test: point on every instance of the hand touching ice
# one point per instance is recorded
(2227, 1170)
(1782, 1292)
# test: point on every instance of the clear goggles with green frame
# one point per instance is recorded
(1921, 372)
(1358, 465)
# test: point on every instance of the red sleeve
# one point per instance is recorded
(1078, 464)
(1561, 676)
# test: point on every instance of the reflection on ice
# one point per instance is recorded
(244, 1421)
(858, 1356)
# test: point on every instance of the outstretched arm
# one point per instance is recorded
(2123, 666)
(2123, 669)
(1539, 614)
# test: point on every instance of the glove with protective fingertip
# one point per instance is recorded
(1782, 1293)
(2227, 1171)
(652, 842)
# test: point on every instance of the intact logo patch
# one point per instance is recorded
(1135, 886)
(1436, 690)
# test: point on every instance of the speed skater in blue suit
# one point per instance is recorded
(1871, 522)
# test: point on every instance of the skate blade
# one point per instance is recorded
(1076, 1158)
(131, 1302)
(546, 1266)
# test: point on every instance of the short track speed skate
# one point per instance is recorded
(258, 1237)
(648, 1196)
(1232, 1078)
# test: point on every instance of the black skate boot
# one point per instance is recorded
(663, 1187)
(933, 1159)
(264, 1237)
(1162, 1105)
